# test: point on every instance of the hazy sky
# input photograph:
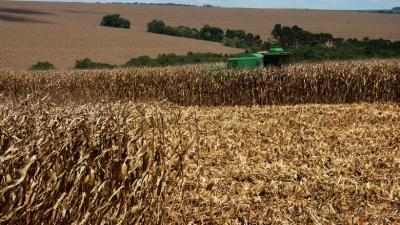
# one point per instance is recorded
(310, 4)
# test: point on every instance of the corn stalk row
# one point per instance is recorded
(331, 83)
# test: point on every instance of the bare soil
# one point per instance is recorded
(64, 32)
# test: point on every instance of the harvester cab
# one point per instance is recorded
(276, 57)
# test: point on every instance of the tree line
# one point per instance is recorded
(324, 46)
(303, 44)
(231, 38)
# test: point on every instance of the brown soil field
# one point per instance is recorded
(64, 32)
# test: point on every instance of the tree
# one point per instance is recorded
(156, 26)
(276, 32)
(115, 20)
(289, 36)
(240, 34)
(211, 33)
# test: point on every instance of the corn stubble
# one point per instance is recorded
(76, 153)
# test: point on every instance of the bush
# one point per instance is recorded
(190, 58)
(115, 21)
(42, 66)
(173, 59)
(87, 63)
(169, 59)
(204, 57)
(141, 61)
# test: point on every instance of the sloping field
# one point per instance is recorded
(64, 32)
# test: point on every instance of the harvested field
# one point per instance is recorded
(341, 82)
(161, 164)
(64, 32)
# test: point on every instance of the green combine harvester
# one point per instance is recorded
(273, 57)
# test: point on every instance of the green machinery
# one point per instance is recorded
(247, 61)
(274, 56)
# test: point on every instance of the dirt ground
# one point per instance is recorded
(64, 32)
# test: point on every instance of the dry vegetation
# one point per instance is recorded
(91, 164)
(126, 163)
(341, 82)
(64, 32)
(75, 150)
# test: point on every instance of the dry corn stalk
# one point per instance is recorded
(91, 165)
(339, 82)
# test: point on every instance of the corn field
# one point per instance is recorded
(90, 165)
(330, 83)
(107, 153)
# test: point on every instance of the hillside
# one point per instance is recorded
(64, 32)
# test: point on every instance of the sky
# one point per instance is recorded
(303, 4)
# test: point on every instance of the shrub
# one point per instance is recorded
(169, 59)
(141, 61)
(173, 59)
(42, 66)
(203, 58)
(87, 63)
(232, 42)
(190, 58)
(115, 21)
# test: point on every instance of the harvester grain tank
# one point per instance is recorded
(272, 57)
(248, 61)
